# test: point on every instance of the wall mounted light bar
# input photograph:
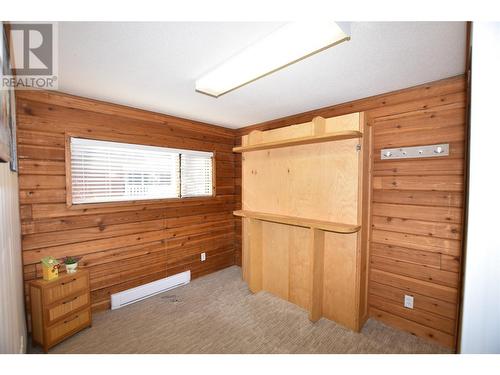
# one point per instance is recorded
(287, 45)
(429, 151)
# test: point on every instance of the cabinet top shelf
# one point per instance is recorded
(300, 222)
(337, 136)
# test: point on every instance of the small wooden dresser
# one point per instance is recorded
(59, 308)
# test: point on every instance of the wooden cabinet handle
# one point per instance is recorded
(70, 300)
(67, 282)
(69, 320)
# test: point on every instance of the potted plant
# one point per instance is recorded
(71, 264)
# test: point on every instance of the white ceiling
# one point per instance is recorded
(154, 66)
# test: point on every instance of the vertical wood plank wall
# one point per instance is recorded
(416, 208)
(122, 245)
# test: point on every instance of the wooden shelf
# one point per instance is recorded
(337, 136)
(327, 226)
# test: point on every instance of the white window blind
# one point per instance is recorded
(104, 171)
(196, 174)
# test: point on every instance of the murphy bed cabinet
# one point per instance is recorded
(305, 194)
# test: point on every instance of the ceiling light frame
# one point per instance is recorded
(293, 42)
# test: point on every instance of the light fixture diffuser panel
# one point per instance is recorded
(285, 46)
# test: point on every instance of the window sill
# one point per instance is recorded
(144, 202)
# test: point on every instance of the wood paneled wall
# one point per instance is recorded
(416, 211)
(123, 245)
(416, 208)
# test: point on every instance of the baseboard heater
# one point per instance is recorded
(148, 290)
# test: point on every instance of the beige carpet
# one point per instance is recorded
(217, 314)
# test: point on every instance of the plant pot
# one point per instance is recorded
(71, 268)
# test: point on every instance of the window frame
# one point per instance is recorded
(138, 202)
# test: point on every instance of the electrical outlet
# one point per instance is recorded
(408, 302)
(203, 257)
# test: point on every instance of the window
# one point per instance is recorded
(103, 171)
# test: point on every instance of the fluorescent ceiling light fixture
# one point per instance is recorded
(287, 45)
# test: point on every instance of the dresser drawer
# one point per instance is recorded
(66, 306)
(68, 326)
(64, 288)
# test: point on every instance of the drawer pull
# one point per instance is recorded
(70, 300)
(69, 320)
(68, 282)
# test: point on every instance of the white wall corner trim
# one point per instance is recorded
(12, 316)
(480, 326)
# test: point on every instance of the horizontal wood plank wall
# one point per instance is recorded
(125, 245)
(417, 205)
